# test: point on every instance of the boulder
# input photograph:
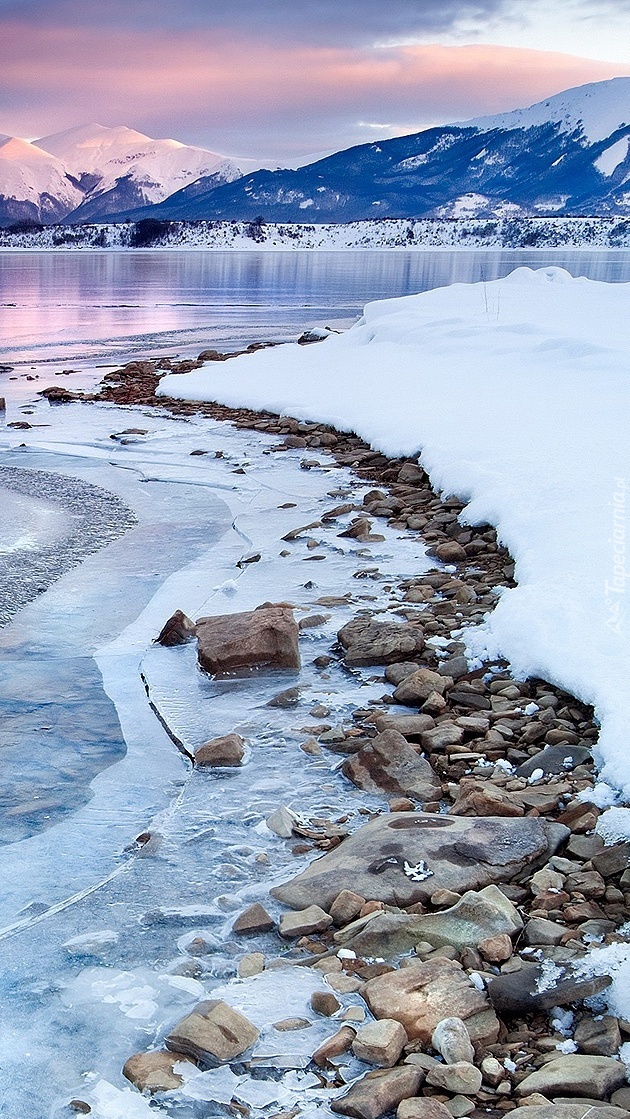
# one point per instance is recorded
(253, 920)
(266, 637)
(154, 1071)
(379, 1092)
(478, 798)
(533, 989)
(389, 764)
(346, 906)
(368, 641)
(212, 1033)
(575, 1075)
(451, 1040)
(313, 919)
(422, 995)
(177, 631)
(380, 1043)
(417, 687)
(475, 917)
(600, 1037)
(461, 1078)
(405, 857)
(228, 750)
(555, 759)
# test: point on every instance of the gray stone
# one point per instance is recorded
(313, 919)
(598, 1036)
(405, 857)
(213, 1032)
(423, 1107)
(555, 759)
(422, 995)
(451, 1040)
(366, 640)
(612, 860)
(475, 917)
(575, 1075)
(528, 990)
(570, 1111)
(539, 930)
(265, 637)
(379, 1092)
(461, 1078)
(281, 822)
(380, 1043)
(389, 764)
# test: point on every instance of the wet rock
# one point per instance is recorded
(154, 1071)
(177, 631)
(539, 988)
(451, 1040)
(555, 759)
(368, 641)
(598, 1036)
(380, 1043)
(417, 687)
(289, 1025)
(379, 1092)
(389, 764)
(575, 1075)
(228, 750)
(461, 1078)
(313, 919)
(253, 920)
(325, 1003)
(405, 857)
(423, 1107)
(422, 995)
(265, 637)
(252, 963)
(281, 822)
(213, 1032)
(290, 697)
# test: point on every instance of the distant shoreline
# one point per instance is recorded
(397, 234)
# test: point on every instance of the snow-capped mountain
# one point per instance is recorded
(92, 172)
(566, 155)
(34, 186)
(121, 169)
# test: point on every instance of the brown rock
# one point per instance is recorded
(325, 1003)
(422, 995)
(417, 687)
(450, 552)
(380, 1043)
(423, 1107)
(177, 631)
(212, 1032)
(228, 750)
(575, 1075)
(346, 906)
(334, 1046)
(253, 920)
(496, 949)
(598, 1037)
(389, 764)
(461, 1078)
(476, 798)
(153, 1072)
(265, 637)
(368, 641)
(313, 919)
(379, 1092)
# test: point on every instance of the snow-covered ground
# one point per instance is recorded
(517, 394)
(396, 233)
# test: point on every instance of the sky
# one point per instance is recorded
(283, 81)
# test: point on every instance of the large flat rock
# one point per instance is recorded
(265, 637)
(405, 857)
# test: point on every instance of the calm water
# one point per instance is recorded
(100, 306)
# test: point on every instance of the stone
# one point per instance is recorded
(366, 641)
(380, 1043)
(412, 726)
(253, 920)
(325, 1003)
(154, 1071)
(263, 638)
(460, 1106)
(443, 735)
(423, 1107)
(570, 1111)
(461, 1078)
(389, 764)
(539, 930)
(334, 1046)
(213, 1032)
(421, 995)
(379, 1092)
(313, 919)
(451, 1040)
(493, 1071)
(575, 1075)
(598, 1037)
(417, 688)
(496, 949)
(346, 906)
(405, 857)
(177, 631)
(228, 750)
(612, 860)
(477, 798)
(554, 759)
(281, 822)
(289, 1025)
(474, 918)
(451, 552)
(530, 990)
(252, 963)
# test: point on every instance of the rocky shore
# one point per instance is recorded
(454, 938)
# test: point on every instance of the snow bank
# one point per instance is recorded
(517, 392)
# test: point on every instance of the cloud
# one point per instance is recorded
(277, 101)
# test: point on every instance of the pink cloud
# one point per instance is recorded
(234, 94)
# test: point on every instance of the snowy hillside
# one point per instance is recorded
(34, 186)
(566, 155)
(121, 169)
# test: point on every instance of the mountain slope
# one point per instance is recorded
(569, 155)
(120, 169)
(34, 186)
